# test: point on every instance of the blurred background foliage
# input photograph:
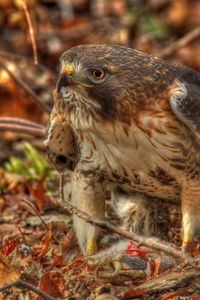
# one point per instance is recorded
(34, 167)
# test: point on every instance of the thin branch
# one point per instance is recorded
(19, 121)
(26, 285)
(148, 242)
(186, 39)
(25, 86)
(170, 281)
(30, 29)
(37, 213)
(23, 129)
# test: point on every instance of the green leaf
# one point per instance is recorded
(151, 24)
(34, 166)
(38, 163)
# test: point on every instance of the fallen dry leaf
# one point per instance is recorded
(52, 283)
(10, 230)
(172, 295)
(134, 293)
(57, 261)
(37, 191)
(194, 248)
(153, 267)
(41, 251)
(8, 273)
(68, 241)
(9, 246)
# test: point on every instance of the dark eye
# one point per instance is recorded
(98, 74)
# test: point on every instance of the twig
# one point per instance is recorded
(20, 121)
(166, 282)
(23, 129)
(37, 213)
(186, 39)
(30, 29)
(25, 86)
(26, 285)
(133, 274)
(148, 242)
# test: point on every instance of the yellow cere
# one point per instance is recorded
(69, 69)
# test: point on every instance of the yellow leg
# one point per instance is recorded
(191, 214)
(88, 196)
(91, 247)
(186, 242)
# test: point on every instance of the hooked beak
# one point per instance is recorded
(65, 78)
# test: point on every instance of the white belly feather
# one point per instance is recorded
(130, 158)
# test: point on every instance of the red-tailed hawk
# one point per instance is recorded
(124, 118)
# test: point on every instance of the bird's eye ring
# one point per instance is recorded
(98, 74)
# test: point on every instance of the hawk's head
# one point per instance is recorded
(110, 78)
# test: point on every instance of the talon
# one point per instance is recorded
(185, 249)
(187, 244)
(91, 247)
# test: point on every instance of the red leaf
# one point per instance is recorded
(52, 283)
(37, 191)
(76, 263)
(9, 246)
(133, 292)
(41, 251)
(8, 272)
(134, 251)
(57, 261)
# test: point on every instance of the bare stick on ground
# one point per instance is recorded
(26, 285)
(19, 121)
(148, 242)
(25, 86)
(186, 39)
(23, 129)
(167, 282)
(37, 213)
